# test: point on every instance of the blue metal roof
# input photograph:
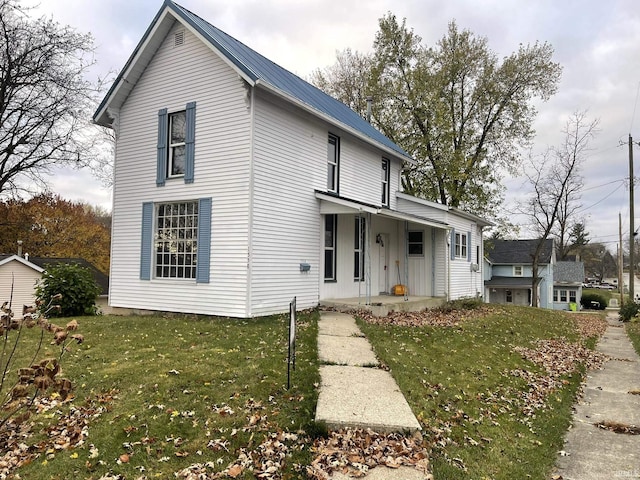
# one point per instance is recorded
(258, 67)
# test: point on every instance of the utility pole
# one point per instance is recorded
(632, 275)
(620, 263)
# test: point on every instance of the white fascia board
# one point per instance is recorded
(23, 261)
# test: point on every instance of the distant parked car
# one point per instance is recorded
(606, 286)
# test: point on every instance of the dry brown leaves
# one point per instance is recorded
(354, 452)
(558, 358)
(68, 432)
(618, 427)
(435, 317)
(590, 324)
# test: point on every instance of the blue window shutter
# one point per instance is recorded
(163, 134)
(146, 243)
(204, 240)
(468, 246)
(453, 244)
(190, 142)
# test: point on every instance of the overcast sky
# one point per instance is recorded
(596, 42)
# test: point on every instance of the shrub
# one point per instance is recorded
(628, 310)
(465, 303)
(593, 301)
(76, 285)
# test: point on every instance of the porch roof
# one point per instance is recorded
(509, 282)
(335, 204)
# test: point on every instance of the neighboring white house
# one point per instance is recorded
(238, 186)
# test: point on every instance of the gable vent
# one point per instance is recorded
(178, 38)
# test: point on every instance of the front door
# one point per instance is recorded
(382, 240)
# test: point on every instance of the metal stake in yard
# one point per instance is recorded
(291, 358)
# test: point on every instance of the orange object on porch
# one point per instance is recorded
(400, 290)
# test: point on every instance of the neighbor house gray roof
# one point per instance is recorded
(101, 279)
(517, 252)
(568, 272)
(256, 69)
(509, 282)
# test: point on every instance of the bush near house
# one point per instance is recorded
(593, 301)
(629, 310)
(76, 285)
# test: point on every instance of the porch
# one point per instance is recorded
(382, 305)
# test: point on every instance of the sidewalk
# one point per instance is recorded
(593, 453)
(355, 393)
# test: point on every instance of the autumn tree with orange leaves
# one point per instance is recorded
(50, 226)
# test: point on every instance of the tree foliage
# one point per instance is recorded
(50, 226)
(454, 107)
(44, 98)
(75, 286)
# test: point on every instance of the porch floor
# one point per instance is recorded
(382, 305)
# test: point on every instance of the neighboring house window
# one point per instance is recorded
(555, 294)
(176, 144)
(330, 235)
(461, 245)
(572, 296)
(333, 163)
(563, 296)
(517, 270)
(179, 235)
(508, 296)
(415, 244)
(358, 249)
(176, 240)
(385, 182)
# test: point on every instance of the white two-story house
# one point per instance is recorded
(238, 186)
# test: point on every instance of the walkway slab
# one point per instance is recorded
(338, 324)
(355, 351)
(593, 453)
(363, 398)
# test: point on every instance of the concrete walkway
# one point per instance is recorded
(593, 453)
(354, 392)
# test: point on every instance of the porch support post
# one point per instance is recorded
(367, 260)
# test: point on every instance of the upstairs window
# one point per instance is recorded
(385, 182)
(177, 143)
(517, 270)
(333, 163)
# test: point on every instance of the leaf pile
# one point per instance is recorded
(69, 431)
(354, 452)
(618, 427)
(590, 325)
(434, 317)
(558, 358)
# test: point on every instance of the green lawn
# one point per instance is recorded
(157, 395)
(633, 330)
(465, 384)
(171, 392)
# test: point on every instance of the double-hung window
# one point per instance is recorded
(385, 182)
(176, 144)
(461, 245)
(517, 270)
(333, 163)
(330, 235)
(415, 244)
(358, 248)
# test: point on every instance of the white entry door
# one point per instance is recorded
(382, 240)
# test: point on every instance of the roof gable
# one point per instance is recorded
(256, 69)
(518, 251)
(4, 259)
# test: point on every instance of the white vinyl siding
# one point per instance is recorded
(24, 281)
(222, 155)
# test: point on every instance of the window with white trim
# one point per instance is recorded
(385, 181)
(461, 245)
(333, 163)
(176, 239)
(517, 271)
(358, 248)
(573, 295)
(330, 235)
(177, 144)
(415, 243)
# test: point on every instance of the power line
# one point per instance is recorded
(601, 200)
